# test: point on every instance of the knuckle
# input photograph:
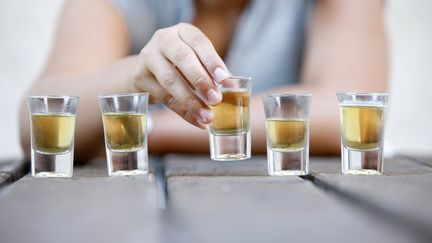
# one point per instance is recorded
(200, 81)
(169, 101)
(146, 53)
(183, 25)
(162, 34)
(143, 52)
(185, 114)
(159, 32)
(198, 40)
(212, 61)
(189, 116)
(168, 80)
(181, 54)
(190, 101)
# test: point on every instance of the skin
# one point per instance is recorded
(345, 51)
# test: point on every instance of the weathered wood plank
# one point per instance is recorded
(4, 179)
(205, 206)
(265, 209)
(202, 165)
(392, 166)
(15, 167)
(425, 160)
(402, 194)
(90, 207)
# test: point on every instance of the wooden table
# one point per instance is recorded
(193, 199)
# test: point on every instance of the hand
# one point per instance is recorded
(177, 60)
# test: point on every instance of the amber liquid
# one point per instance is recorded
(125, 132)
(286, 135)
(362, 127)
(52, 132)
(232, 114)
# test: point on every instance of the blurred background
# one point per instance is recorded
(27, 28)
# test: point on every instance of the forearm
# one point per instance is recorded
(89, 131)
(172, 134)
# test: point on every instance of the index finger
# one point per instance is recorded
(205, 51)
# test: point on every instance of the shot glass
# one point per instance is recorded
(362, 132)
(229, 133)
(125, 123)
(52, 135)
(287, 132)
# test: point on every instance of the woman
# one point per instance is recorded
(294, 46)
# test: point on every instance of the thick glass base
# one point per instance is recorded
(230, 147)
(362, 162)
(283, 163)
(51, 165)
(127, 163)
(129, 172)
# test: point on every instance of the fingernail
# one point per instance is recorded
(214, 97)
(206, 116)
(220, 74)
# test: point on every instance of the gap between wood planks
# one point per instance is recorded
(417, 160)
(13, 170)
(424, 234)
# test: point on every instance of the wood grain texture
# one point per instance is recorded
(202, 165)
(4, 179)
(206, 201)
(425, 160)
(265, 209)
(402, 195)
(11, 170)
(90, 207)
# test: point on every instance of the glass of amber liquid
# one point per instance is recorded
(52, 135)
(124, 121)
(229, 133)
(362, 132)
(287, 129)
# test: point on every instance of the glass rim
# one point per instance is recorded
(52, 96)
(245, 83)
(123, 95)
(239, 77)
(363, 93)
(288, 95)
